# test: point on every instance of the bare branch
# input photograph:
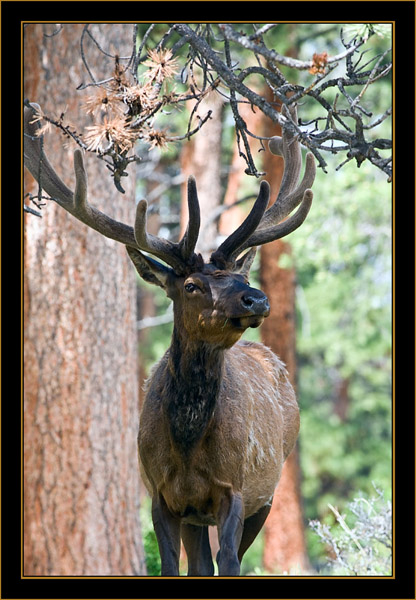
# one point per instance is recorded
(272, 55)
(147, 322)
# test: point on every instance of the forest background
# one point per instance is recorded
(336, 269)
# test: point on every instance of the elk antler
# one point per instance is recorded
(182, 253)
(291, 194)
(178, 255)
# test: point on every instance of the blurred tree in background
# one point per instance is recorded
(340, 259)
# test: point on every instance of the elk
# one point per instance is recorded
(220, 416)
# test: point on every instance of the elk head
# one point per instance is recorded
(213, 301)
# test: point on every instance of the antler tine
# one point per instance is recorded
(163, 249)
(75, 203)
(290, 194)
(190, 238)
(287, 147)
(234, 242)
(276, 232)
(303, 195)
(178, 255)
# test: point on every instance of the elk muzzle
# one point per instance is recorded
(254, 307)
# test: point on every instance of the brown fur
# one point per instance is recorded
(252, 431)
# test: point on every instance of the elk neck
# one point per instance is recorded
(195, 370)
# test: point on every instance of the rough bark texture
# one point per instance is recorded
(284, 541)
(81, 483)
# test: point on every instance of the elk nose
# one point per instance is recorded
(256, 302)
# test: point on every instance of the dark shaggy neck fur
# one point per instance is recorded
(195, 379)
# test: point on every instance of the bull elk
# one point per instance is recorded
(220, 416)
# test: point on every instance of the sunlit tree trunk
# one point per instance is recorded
(233, 217)
(201, 157)
(145, 300)
(81, 483)
(284, 540)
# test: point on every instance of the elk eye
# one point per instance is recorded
(190, 287)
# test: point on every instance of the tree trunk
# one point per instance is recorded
(342, 398)
(284, 540)
(81, 482)
(201, 157)
(284, 543)
(146, 302)
(233, 217)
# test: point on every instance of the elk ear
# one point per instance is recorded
(243, 264)
(149, 269)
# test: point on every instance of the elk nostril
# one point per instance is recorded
(257, 304)
(247, 301)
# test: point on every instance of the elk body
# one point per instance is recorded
(220, 416)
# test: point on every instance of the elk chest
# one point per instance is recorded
(239, 446)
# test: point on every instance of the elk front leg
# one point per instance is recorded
(230, 529)
(196, 542)
(167, 529)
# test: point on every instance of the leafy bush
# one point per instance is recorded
(359, 543)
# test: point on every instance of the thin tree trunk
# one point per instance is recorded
(81, 482)
(234, 216)
(284, 540)
(145, 302)
(201, 157)
(342, 398)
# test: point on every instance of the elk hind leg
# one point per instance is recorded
(196, 542)
(252, 526)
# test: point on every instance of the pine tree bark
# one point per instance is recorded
(81, 481)
(284, 540)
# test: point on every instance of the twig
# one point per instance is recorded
(345, 527)
(147, 322)
(84, 60)
(373, 77)
(27, 209)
